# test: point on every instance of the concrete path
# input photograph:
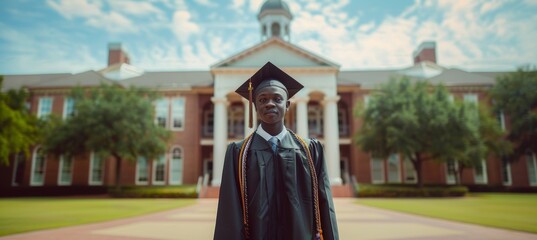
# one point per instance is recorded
(355, 222)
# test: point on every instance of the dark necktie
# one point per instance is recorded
(273, 143)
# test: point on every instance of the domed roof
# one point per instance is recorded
(274, 6)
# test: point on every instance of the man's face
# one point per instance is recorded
(271, 104)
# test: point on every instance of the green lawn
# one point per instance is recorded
(28, 214)
(501, 210)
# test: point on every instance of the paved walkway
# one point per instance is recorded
(355, 222)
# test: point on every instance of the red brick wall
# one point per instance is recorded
(427, 54)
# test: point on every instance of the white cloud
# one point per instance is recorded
(34, 52)
(237, 4)
(76, 8)
(112, 22)
(182, 25)
(93, 14)
(207, 3)
(136, 8)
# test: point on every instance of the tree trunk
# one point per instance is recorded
(459, 174)
(118, 171)
(418, 170)
(416, 162)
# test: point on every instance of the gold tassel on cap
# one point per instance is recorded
(250, 89)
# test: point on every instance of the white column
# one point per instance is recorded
(331, 139)
(247, 129)
(302, 116)
(219, 138)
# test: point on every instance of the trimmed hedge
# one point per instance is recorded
(404, 190)
(183, 191)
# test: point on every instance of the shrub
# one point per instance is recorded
(403, 190)
(183, 191)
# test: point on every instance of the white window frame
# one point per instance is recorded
(382, 171)
(397, 178)
(32, 180)
(343, 124)
(154, 181)
(367, 98)
(182, 162)
(474, 99)
(502, 120)
(484, 173)
(40, 113)
(68, 107)
(162, 109)
(137, 173)
(506, 168)
(60, 171)
(92, 162)
(451, 178)
(177, 111)
(208, 122)
(531, 163)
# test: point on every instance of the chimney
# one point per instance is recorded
(116, 54)
(426, 52)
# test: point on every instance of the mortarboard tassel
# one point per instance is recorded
(250, 89)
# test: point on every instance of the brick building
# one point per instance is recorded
(202, 111)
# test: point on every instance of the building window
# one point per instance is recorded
(178, 113)
(176, 168)
(532, 168)
(96, 175)
(480, 173)
(208, 122)
(394, 169)
(45, 107)
(275, 30)
(367, 98)
(410, 172)
(377, 170)
(451, 171)
(315, 120)
(159, 170)
(506, 172)
(501, 119)
(19, 165)
(38, 167)
(142, 171)
(343, 123)
(161, 112)
(68, 107)
(65, 170)
(472, 99)
(236, 121)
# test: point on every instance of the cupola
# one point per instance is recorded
(275, 18)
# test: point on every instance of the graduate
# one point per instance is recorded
(274, 183)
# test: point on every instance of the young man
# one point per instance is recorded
(274, 184)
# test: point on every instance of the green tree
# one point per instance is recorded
(515, 95)
(110, 121)
(418, 121)
(18, 128)
(485, 139)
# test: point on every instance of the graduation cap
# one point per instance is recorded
(268, 75)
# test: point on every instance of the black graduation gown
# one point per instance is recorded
(280, 204)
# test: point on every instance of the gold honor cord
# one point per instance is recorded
(242, 183)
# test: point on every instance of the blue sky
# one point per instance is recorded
(49, 36)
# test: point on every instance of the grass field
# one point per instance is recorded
(19, 215)
(509, 211)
